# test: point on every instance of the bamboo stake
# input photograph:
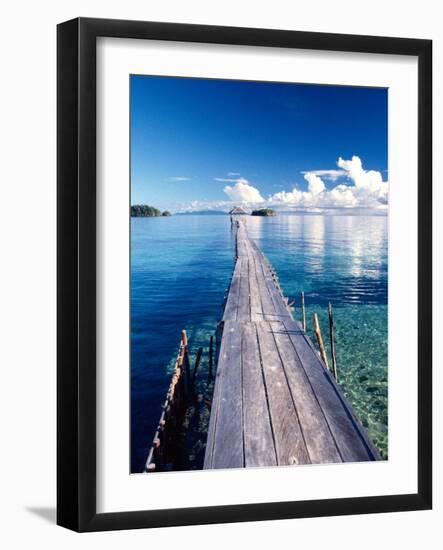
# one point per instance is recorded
(303, 311)
(320, 341)
(331, 337)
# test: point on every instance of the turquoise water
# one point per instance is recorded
(181, 267)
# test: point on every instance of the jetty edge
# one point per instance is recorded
(274, 402)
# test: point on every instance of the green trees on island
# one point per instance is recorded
(145, 211)
(264, 212)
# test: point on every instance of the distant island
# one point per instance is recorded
(146, 211)
(264, 212)
(203, 213)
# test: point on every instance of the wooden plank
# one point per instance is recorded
(289, 443)
(351, 440)
(318, 437)
(268, 307)
(244, 310)
(231, 307)
(255, 295)
(241, 241)
(241, 249)
(258, 438)
(228, 436)
(281, 310)
(254, 292)
(209, 452)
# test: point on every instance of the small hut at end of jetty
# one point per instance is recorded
(238, 211)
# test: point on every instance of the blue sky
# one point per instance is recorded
(198, 143)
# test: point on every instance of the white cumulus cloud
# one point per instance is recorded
(350, 185)
(363, 188)
(242, 192)
(369, 180)
(315, 184)
(327, 174)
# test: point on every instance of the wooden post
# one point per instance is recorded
(186, 364)
(331, 337)
(196, 364)
(150, 464)
(184, 339)
(158, 453)
(303, 311)
(218, 338)
(320, 341)
(211, 351)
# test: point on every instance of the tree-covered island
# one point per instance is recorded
(146, 211)
(264, 212)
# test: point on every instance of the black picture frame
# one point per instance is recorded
(76, 280)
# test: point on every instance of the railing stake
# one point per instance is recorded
(331, 338)
(320, 341)
(186, 363)
(303, 311)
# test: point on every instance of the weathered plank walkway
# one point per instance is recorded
(274, 402)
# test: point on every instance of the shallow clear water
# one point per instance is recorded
(181, 267)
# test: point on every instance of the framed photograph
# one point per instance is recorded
(244, 274)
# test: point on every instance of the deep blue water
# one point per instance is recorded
(181, 267)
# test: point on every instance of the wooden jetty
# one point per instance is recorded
(274, 401)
